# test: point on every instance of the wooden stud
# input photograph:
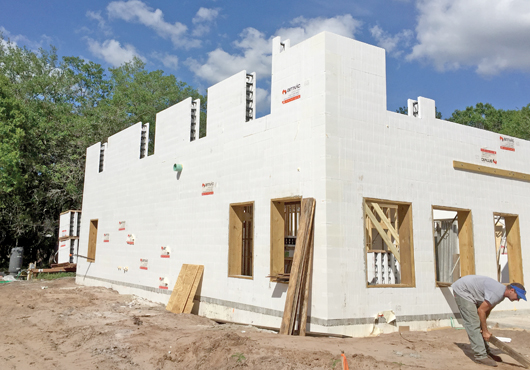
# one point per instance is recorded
(513, 244)
(457, 165)
(382, 233)
(384, 219)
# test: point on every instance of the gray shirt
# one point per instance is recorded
(477, 289)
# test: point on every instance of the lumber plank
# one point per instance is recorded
(457, 165)
(177, 291)
(382, 233)
(293, 291)
(385, 220)
(307, 287)
(189, 304)
(509, 351)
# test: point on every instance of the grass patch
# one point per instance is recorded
(53, 276)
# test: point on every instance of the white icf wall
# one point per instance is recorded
(374, 153)
(278, 156)
(336, 143)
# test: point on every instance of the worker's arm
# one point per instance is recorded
(483, 313)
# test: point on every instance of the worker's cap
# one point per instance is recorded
(519, 289)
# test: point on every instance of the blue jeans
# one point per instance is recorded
(469, 313)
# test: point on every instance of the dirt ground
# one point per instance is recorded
(59, 325)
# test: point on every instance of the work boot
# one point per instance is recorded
(486, 361)
(494, 357)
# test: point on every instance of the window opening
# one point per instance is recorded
(92, 241)
(415, 109)
(285, 220)
(453, 244)
(389, 244)
(241, 240)
(508, 249)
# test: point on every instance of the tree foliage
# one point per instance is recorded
(405, 110)
(51, 110)
(507, 122)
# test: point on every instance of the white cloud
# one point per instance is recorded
(202, 21)
(255, 56)
(205, 15)
(112, 51)
(168, 60)
(490, 35)
(139, 12)
(392, 44)
(254, 48)
(344, 25)
(102, 24)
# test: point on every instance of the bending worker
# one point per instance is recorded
(476, 296)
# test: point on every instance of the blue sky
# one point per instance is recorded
(456, 52)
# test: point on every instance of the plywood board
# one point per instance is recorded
(191, 297)
(183, 287)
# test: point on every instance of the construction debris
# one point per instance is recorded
(55, 268)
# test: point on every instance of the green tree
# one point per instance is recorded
(51, 110)
(137, 95)
(405, 110)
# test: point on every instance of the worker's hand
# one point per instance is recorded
(486, 335)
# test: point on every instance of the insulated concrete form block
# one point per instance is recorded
(173, 128)
(226, 105)
(123, 148)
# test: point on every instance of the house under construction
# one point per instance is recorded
(405, 204)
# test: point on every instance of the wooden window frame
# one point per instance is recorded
(466, 244)
(235, 241)
(278, 223)
(513, 244)
(406, 242)
(92, 241)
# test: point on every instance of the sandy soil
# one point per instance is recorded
(59, 325)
